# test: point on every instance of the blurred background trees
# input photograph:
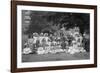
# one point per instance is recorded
(53, 21)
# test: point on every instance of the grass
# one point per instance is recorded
(54, 57)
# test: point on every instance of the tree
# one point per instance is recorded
(54, 21)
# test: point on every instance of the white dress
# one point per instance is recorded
(40, 50)
(26, 51)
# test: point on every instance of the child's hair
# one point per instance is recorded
(30, 36)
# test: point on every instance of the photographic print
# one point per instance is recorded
(53, 37)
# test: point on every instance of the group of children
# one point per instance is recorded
(45, 43)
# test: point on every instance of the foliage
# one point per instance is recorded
(54, 21)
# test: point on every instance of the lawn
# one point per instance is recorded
(54, 57)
